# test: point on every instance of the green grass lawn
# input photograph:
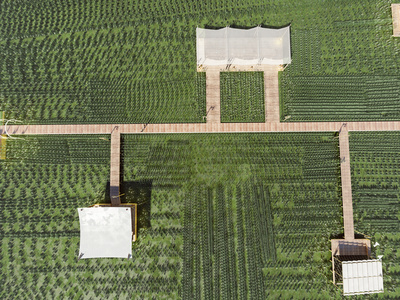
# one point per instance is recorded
(242, 97)
(223, 215)
(375, 175)
(134, 62)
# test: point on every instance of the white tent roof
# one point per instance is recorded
(243, 46)
(362, 277)
(105, 232)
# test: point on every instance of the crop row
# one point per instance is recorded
(340, 98)
(215, 213)
(213, 224)
(242, 97)
(375, 181)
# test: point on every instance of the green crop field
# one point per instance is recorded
(220, 216)
(375, 163)
(135, 62)
(242, 97)
(261, 207)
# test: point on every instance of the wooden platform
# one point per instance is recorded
(355, 247)
(346, 183)
(213, 96)
(115, 167)
(396, 19)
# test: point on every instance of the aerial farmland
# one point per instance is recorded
(253, 145)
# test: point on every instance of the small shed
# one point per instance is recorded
(362, 277)
(354, 269)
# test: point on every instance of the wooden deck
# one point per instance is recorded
(213, 95)
(271, 93)
(346, 183)
(201, 127)
(340, 247)
(115, 166)
(3, 143)
(396, 19)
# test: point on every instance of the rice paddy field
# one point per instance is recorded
(375, 163)
(135, 62)
(230, 216)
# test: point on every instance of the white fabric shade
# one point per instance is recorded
(105, 232)
(243, 46)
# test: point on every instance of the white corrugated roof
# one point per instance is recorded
(105, 232)
(362, 277)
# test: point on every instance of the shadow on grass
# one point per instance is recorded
(139, 192)
(135, 192)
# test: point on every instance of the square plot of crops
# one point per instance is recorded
(242, 97)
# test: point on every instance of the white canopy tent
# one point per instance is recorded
(105, 232)
(243, 46)
(362, 277)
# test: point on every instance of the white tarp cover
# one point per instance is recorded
(258, 45)
(362, 277)
(105, 232)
